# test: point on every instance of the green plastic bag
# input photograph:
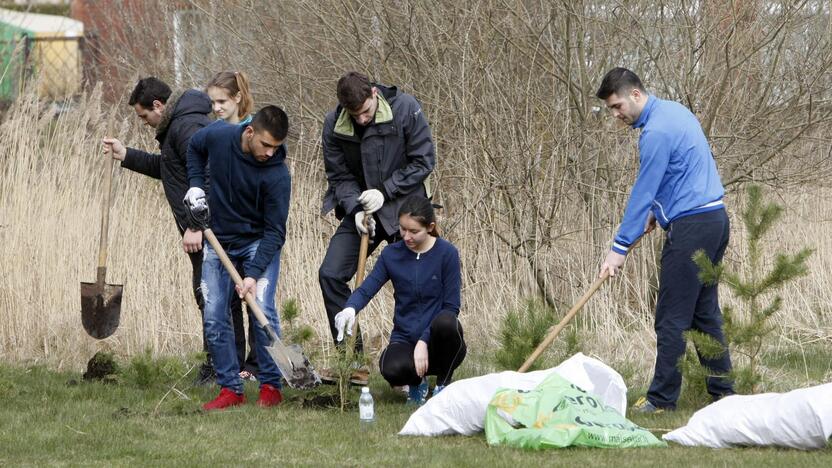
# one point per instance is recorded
(560, 414)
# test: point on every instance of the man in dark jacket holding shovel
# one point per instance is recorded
(175, 116)
(249, 204)
(378, 149)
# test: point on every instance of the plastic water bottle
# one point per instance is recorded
(365, 407)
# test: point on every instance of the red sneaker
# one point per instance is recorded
(269, 396)
(227, 398)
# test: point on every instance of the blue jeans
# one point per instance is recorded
(216, 287)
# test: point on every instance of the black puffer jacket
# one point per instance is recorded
(395, 155)
(185, 114)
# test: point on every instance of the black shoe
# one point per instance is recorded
(716, 398)
(206, 375)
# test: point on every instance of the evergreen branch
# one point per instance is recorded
(772, 308)
(786, 268)
(709, 274)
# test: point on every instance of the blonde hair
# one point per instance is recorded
(234, 82)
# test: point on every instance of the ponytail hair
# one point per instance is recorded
(235, 82)
(420, 209)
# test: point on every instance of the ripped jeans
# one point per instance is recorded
(216, 286)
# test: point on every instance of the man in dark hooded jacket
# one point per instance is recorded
(175, 116)
(377, 149)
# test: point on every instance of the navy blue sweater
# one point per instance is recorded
(423, 286)
(249, 200)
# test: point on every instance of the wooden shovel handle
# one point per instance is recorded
(359, 278)
(105, 215)
(362, 259)
(238, 280)
(554, 331)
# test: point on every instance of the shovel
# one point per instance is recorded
(554, 331)
(293, 365)
(358, 377)
(101, 302)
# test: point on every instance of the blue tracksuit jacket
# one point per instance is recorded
(677, 173)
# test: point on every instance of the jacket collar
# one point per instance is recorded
(645, 113)
(167, 115)
(344, 124)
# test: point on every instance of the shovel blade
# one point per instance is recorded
(100, 308)
(293, 365)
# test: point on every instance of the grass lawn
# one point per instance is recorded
(151, 417)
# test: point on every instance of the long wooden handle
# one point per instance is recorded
(105, 215)
(554, 331)
(238, 280)
(359, 278)
(362, 260)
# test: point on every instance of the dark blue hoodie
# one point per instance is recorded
(249, 200)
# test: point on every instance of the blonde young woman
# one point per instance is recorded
(231, 101)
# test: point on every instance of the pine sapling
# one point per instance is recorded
(746, 333)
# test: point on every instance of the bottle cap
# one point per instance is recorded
(365, 389)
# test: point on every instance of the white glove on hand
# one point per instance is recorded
(195, 199)
(344, 320)
(359, 224)
(371, 200)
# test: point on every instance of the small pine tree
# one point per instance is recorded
(295, 334)
(524, 328)
(746, 335)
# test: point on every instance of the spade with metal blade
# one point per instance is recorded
(291, 362)
(101, 302)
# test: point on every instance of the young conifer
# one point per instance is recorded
(746, 330)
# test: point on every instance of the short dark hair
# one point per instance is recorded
(273, 120)
(148, 90)
(353, 89)
(420, 209)
(619, 81)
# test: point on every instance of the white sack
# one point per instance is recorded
(460, 407)
(799, 419)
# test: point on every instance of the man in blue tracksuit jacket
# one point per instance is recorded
(249, 203)
(677, 185)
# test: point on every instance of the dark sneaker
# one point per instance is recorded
(417, 394)
(206, 375)
(716, 398)
(643, 406)
(438, 389)
(269, 396)
(226, 399)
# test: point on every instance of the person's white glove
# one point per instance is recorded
(359, 224)
(195, 199)
(371, 200)
(344, 320)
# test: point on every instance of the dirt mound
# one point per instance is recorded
(102, 367)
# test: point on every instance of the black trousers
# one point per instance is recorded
(339, 266)
(684, 303)
(236, 308)
(446, 351)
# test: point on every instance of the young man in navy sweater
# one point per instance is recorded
(677, 185)
(249, 204)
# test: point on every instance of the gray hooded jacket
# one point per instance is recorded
(395, 155)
